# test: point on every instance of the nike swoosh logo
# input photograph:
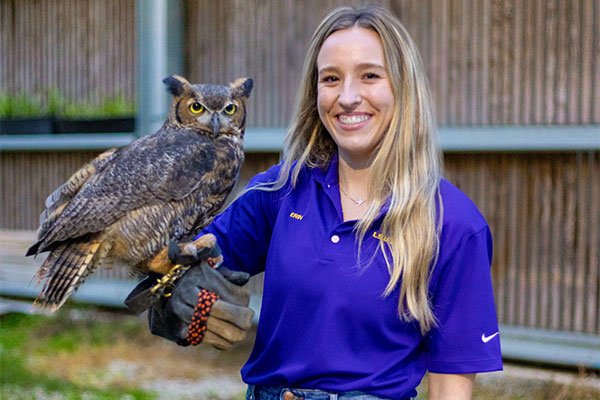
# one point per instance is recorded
(486, 339)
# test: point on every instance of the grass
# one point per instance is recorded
(24, 337)
(91, 354)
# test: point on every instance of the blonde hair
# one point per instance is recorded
(406, 169)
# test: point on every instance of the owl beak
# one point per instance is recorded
(216, 125)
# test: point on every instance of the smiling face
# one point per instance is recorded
(354, 94)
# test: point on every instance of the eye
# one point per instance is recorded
(371, 75)
(196, 108)
(230, 109)
(329, 79)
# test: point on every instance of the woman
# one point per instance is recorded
(376, 268)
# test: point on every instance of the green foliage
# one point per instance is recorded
(118, 105)
(24, 335)
(61, 333)
(113, 106)
(19, 383)
(68, 335)
(21, 106)
(53, 103)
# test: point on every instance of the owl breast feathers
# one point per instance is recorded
(128, 203)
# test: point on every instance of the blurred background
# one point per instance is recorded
(516, 85)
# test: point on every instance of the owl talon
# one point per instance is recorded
(167, 282)
(215, 262)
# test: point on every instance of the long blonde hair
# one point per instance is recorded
(406, 169)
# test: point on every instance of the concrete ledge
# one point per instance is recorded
(264, 139)
(92, 141)
(550, 347)
(473, 138)
(520, 138)
(102, 292)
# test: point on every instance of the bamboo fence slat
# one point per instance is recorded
(594, 245)
(556, 249)
(523, 208)
(569, 256)
(534, 265)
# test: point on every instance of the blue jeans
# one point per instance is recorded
(284, 393)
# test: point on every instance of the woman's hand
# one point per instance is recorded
(450, 386)
(203, 307)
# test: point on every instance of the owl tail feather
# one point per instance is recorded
(65, 269)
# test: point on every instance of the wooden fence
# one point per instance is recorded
(489, 62)
(543, 210)
(83, 48)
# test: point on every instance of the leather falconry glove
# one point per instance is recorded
(206, 305)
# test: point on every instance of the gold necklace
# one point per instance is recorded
(357, 202)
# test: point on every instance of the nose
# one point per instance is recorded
(350, 97)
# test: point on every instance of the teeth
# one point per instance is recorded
(353, 119)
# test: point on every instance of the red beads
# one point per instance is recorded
(197, 328)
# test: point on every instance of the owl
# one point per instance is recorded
(127, 204)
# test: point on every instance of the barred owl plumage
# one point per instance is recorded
(127, 203)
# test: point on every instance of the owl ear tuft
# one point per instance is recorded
(242, 87)
(176, 84)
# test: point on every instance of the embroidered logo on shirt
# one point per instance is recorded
(296, 216)
(380, 236)
(486, 339)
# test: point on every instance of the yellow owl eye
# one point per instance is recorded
(196, 108)
(230, 109)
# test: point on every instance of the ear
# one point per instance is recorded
(242, 87)
(176, 84)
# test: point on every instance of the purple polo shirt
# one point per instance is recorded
(324, 323)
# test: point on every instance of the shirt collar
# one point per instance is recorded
(329, 176)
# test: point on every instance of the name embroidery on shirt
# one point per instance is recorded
(296, 216)
(380, 236)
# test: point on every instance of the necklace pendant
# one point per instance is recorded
(356, 202)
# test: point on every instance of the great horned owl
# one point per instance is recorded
(128, 203)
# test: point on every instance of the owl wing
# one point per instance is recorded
(58, 200)
(150, 171)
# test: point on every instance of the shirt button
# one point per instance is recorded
(335, 238)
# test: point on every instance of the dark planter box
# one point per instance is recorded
(26, 126)
(112, 125)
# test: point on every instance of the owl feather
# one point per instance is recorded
(128, 203)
